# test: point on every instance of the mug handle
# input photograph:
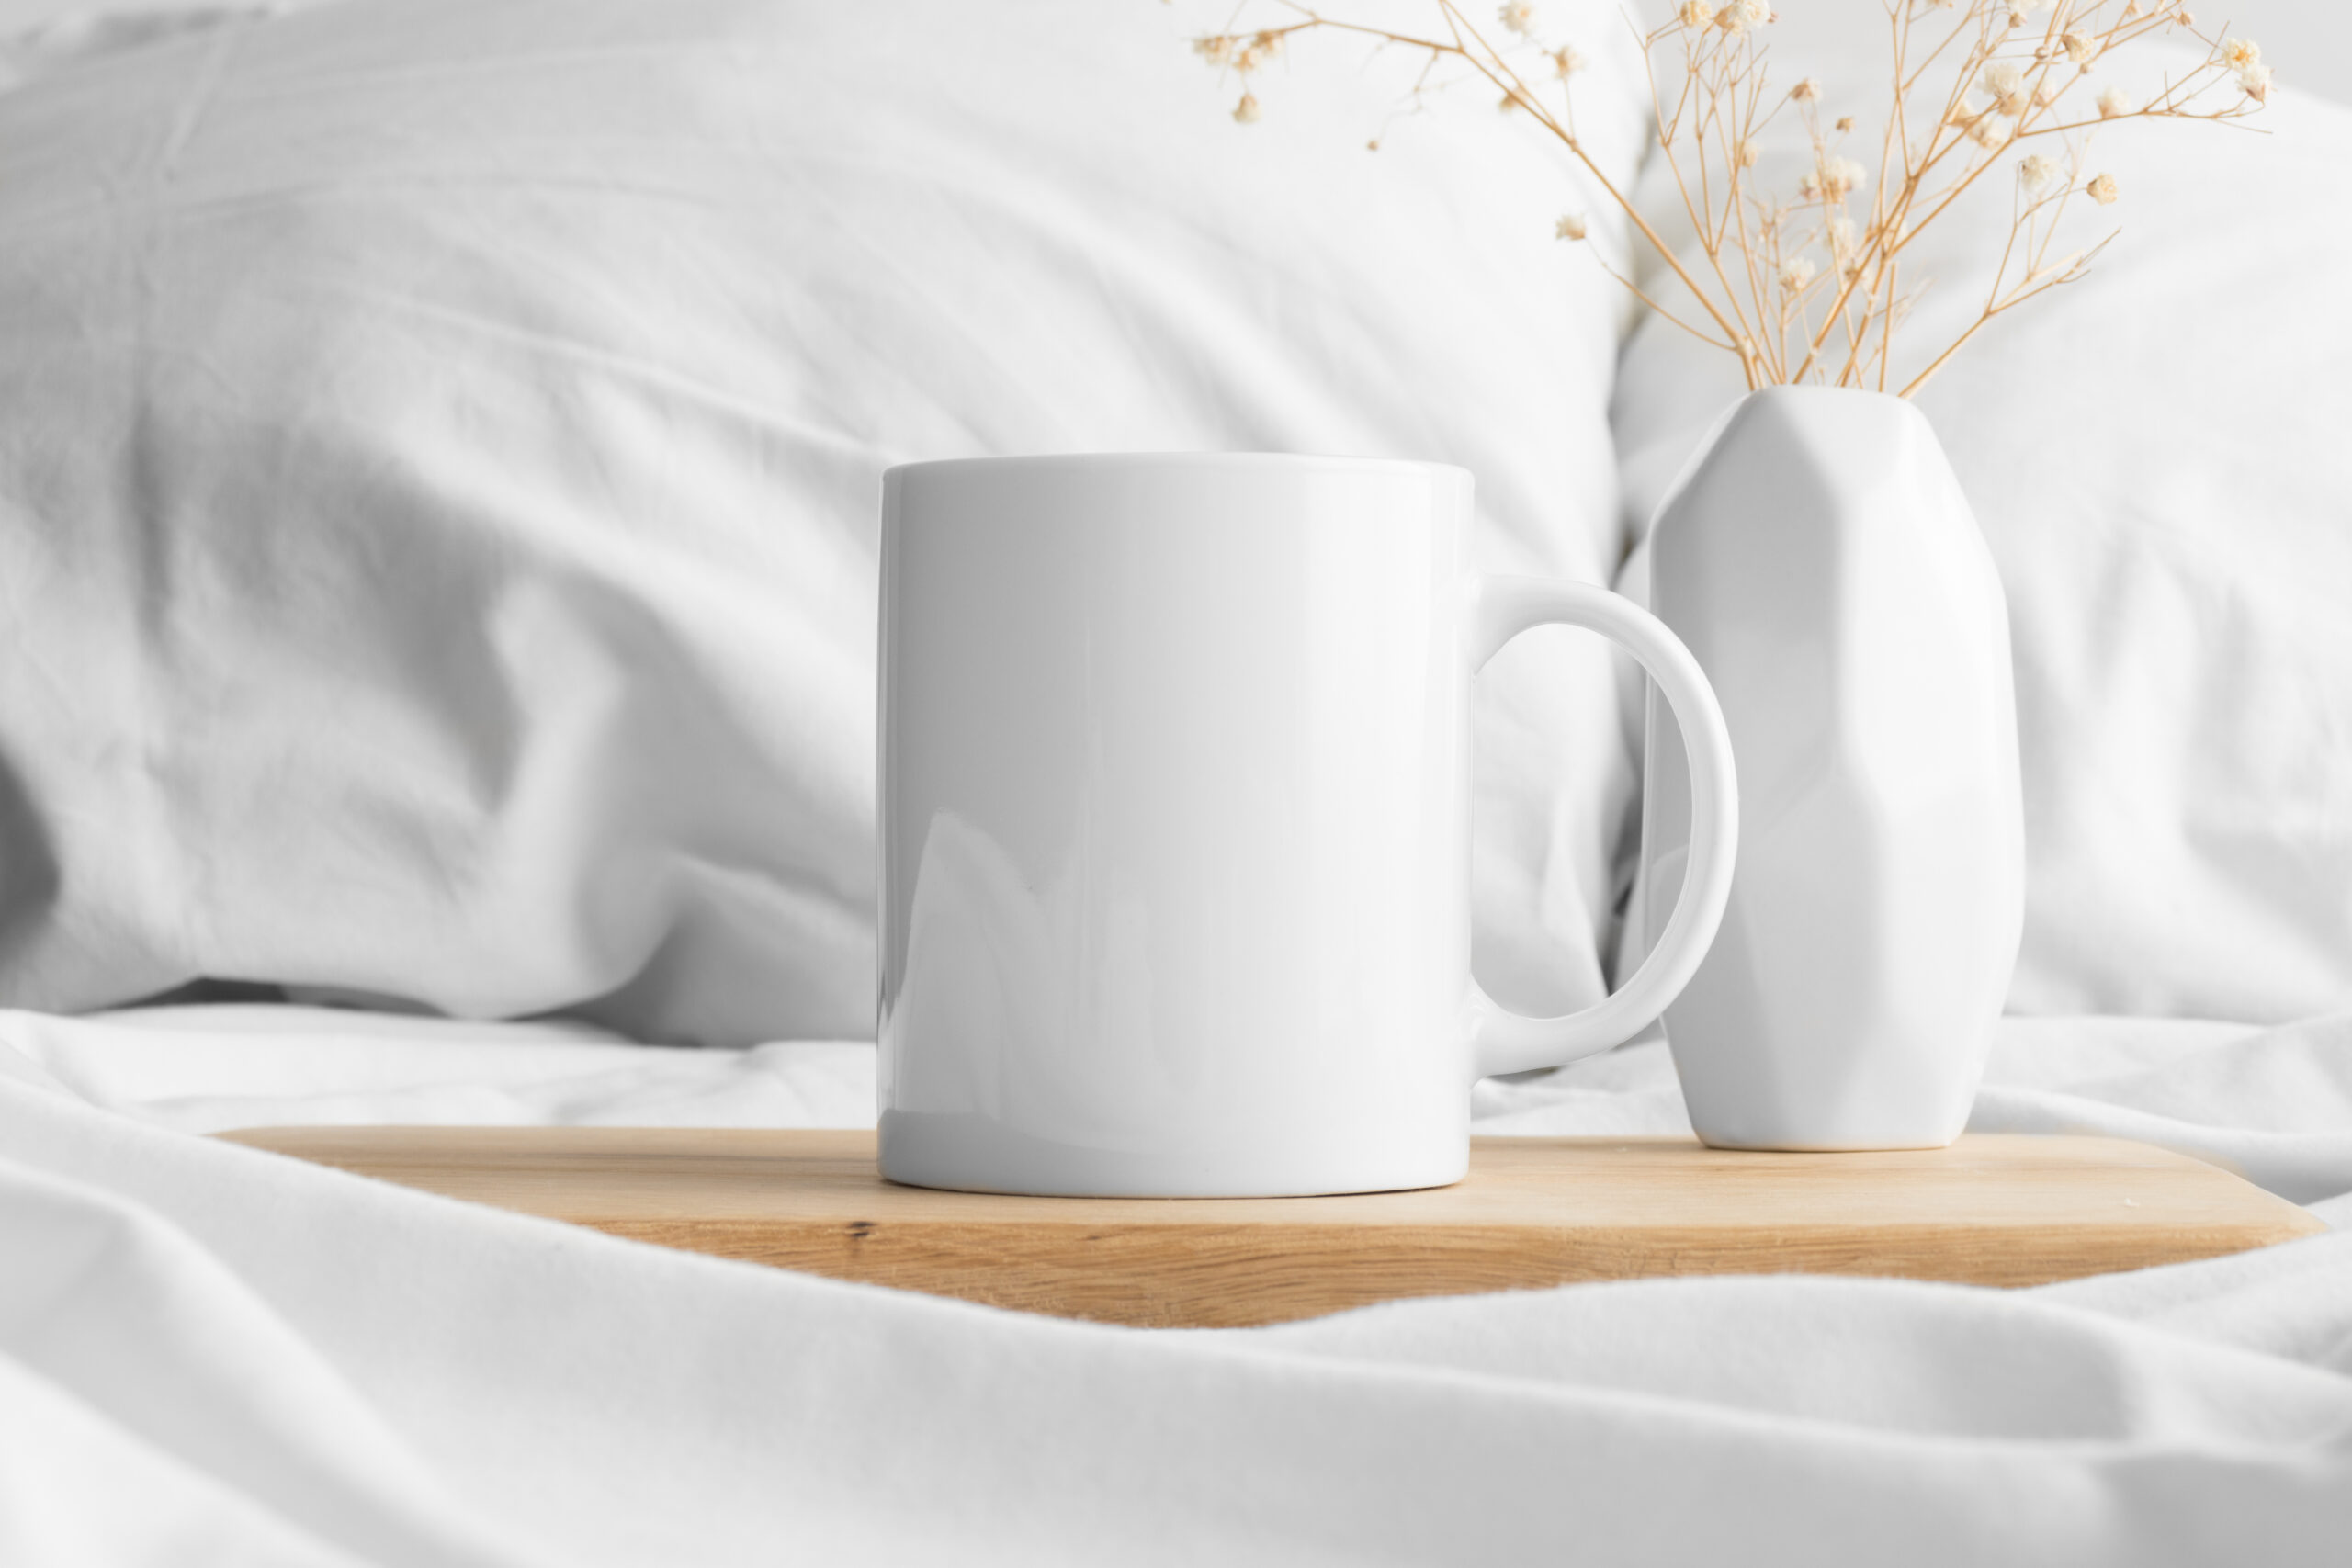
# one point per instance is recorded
(1501, 608)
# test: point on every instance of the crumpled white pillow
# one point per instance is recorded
(439, 446)
(2159, 457)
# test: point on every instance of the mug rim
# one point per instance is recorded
(1080, 460)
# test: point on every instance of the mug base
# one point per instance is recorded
(972, 1154)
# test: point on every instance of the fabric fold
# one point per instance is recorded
(600, 1401)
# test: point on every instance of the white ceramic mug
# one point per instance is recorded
(1175, 823)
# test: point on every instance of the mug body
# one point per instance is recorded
(1174, 825)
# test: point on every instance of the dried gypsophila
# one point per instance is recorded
(2004, 82)
(1831, 179)
(1743, 16)
(1755, 279)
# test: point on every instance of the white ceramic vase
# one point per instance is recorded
(1818, 557)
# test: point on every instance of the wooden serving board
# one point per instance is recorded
(1534, 1212)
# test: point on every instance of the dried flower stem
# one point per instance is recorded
(1780, 282)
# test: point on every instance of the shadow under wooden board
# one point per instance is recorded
(1534, 1212)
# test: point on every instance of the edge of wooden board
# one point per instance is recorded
(1206, 1263)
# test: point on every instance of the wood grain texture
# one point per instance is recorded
(1534, 1212)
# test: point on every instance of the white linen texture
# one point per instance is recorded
(212, 1354)
(439, 476)
(437, 501)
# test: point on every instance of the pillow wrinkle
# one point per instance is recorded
(453, 435)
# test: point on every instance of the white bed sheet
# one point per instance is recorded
(208, 1354)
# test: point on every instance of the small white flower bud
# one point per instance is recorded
(1570, 226)
(1832, 179)
(2102, 189)
(2113, 102)
(1741, 16)
(1246, 111)
(2004, 82)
